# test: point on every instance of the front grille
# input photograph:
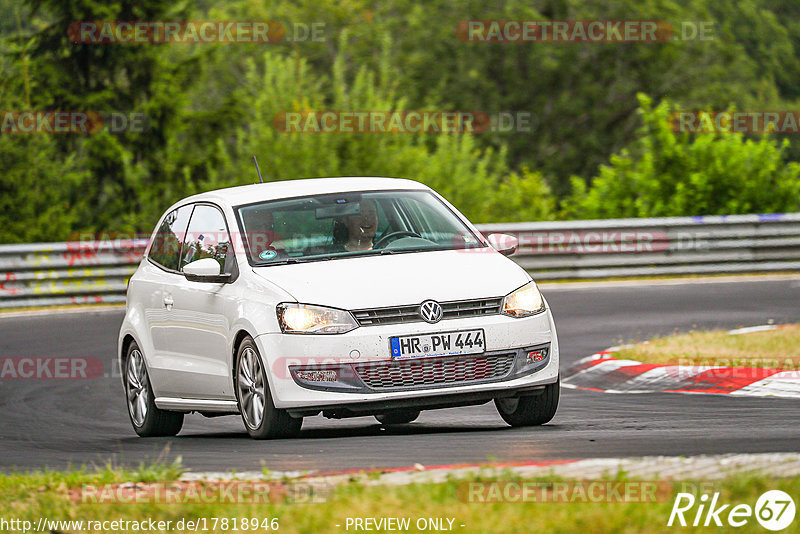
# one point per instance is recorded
(409, 314)
(470, 308)
(427, 372)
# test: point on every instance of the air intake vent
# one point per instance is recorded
(427, 372)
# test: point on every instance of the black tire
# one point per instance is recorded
(530, 411)
(147, 419)
(252, 390)
(397, 417)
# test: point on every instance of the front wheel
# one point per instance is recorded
(147, 419)
(530, 411)
(261, 419)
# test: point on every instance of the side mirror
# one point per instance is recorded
(503, 243)
(205, 270)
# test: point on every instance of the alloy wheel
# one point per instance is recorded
(251, 385)
(136, 382)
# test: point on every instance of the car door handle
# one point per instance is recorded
(168, 302)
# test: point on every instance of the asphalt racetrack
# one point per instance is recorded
(56, 423)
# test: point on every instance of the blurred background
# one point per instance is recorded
(600, 143)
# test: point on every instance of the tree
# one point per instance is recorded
(129, 79)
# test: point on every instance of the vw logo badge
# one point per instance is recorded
(431, 311)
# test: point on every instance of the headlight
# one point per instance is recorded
(307, 319)
(523, 302)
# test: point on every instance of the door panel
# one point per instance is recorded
(199, 326)
(157, 281)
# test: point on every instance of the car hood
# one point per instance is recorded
(399, 279)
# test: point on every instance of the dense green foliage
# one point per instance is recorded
(595, 149)
(666, 173)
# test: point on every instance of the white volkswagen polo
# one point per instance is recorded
(340, 296)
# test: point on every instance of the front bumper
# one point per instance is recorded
(369, 346)
(421, 373)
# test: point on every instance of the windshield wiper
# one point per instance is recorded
(371, 252)
(420, 249)
(285, 261)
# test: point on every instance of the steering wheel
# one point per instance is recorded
(394, 235)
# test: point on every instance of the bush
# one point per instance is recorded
(664, 173)
(40, 189)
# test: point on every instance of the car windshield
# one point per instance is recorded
(322, 227)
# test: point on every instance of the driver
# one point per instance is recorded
(360, 228)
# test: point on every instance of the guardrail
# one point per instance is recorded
(77, 272)
(658, 246)
(97, 271)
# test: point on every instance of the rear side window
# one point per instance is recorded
(166, 248)
(207, 237)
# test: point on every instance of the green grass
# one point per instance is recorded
(52, 494)
(774, 349)
(20, 485)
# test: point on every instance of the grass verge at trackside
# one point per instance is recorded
(53, 495)
(772, 349)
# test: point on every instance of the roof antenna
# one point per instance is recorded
(258, 170)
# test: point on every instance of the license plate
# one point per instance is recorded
(439, 344)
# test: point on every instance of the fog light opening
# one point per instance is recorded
(535, 356)
(328, 375)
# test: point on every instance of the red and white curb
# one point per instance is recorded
(603, 372)
(705, 467)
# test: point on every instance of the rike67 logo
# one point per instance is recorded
(774, 510)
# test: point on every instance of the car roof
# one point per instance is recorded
(247, 194)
